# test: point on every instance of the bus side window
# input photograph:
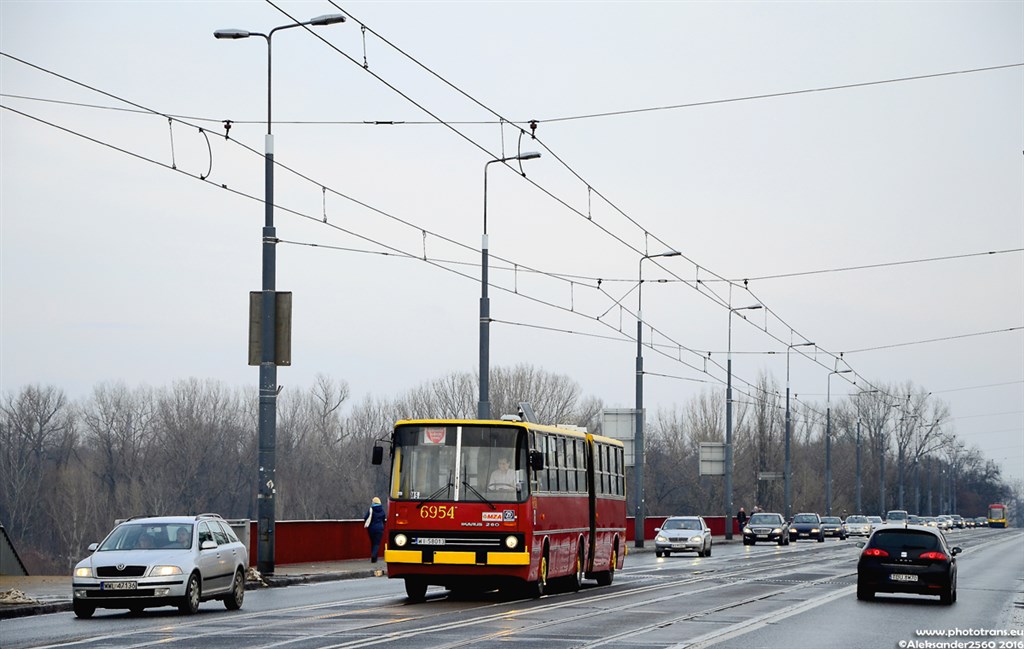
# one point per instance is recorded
(619, 453)
(571, 464)
(555, 464)
(545, 481)
(584, 448)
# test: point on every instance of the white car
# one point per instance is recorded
(857, 526)
(162, 561)
(683, 534)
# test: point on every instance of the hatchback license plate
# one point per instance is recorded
(119, 585)
(901, 577)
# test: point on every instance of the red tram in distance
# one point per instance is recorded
(477, 505)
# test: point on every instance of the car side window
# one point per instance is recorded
(204, 533)
(230, 533)
(218, 533)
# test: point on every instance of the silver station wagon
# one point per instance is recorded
(162, 561)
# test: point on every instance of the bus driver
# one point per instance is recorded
(503, 478)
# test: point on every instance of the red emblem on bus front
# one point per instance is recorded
(435, 435)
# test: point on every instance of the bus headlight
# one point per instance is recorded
(401, 540)
(511, 542)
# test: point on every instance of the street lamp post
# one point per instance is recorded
(787, 469)
(828, 441)
(268, 306)
(638, 438)
(858, 490)
(728, 423)
(483, 408)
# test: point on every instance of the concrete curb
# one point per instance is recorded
(24, 610)
(8, 611)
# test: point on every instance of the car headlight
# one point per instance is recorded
(511, 542)
(696, 539)
(777, 530)
(746, 530)
(83, 572)
(813, 530)
(661, 539)
(401, 540)
(793, 530)
(164, 571)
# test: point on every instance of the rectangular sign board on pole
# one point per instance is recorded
(712, 458)
(620, 424)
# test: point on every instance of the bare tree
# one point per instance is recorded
(37, 436)
(118, 428)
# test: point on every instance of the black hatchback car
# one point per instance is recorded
(903, 559)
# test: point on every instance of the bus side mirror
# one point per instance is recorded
(378, 454)
(536, 460)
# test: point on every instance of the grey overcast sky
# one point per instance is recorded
(754, 138)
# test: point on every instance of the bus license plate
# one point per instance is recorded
(119, 585)
(899, 577)
(429, 541)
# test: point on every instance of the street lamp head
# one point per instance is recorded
(231, 33)
(327, 19)
(527, 155)
(752, 307)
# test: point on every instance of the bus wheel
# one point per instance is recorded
(542, 577)
(605, 578)
(577, 579)
(415, 589)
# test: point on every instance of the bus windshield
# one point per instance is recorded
(449, 462)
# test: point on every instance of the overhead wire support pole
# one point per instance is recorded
(788, 468)
(728, 423)
(828, 440)
(268, 388)
(638, 439)
(483, 408)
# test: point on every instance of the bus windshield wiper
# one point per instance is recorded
(478, 494)
(445, 487)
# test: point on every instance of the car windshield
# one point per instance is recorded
(681, 524)
(905, 540)
(831, 519)
(875, 519)
(805, 518)
(765, 519)
(148, 536)
(857, 519)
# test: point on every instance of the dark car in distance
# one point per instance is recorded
(806, 526)
(833, 526)
(901, 559)
(766, 526)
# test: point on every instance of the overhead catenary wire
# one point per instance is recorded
(697, 266)
(567, 118)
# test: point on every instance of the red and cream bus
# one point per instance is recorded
(510, 505)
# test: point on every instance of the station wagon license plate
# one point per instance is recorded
(901, 577)
(119, 585)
